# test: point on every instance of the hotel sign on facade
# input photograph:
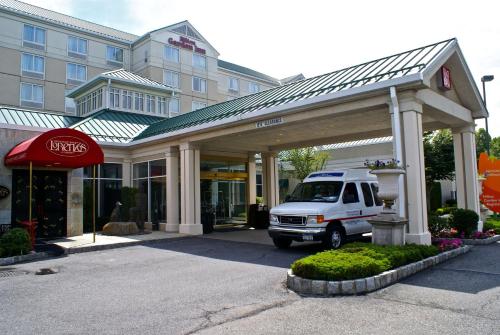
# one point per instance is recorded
(186, 43)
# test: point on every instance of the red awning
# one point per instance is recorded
(64, 147)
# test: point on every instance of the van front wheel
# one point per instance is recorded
(334, 238)
(282, 243)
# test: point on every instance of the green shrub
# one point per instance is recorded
(358, 260)
(259, 200)
(464, 221)
(15, 242)
(492, 224)
(445, 210)
(451, 203)
(437, 224)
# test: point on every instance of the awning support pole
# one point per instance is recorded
(93, 202)
(31, 192)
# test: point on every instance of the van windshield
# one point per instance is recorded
(318, 191)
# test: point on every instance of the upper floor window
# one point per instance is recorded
(32, 66)
(77, 47)
(150, 103)
(31, 95)
(171, 54)
(171, 78)
(162, 106)
(199, 84)
(76, 73)
(173, 106)
(199, 61)
(253, 88)
(34, 37)
(114, 54)
(197, 105)
(126, 99)
(139, 102)
(114, 98)
(234, 84)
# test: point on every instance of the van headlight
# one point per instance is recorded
(273, 219)
(315, 219)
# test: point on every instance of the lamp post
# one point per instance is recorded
(485, 79)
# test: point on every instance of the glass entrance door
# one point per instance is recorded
(224, 199)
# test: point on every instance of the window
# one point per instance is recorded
(114, 98)
(32, 66)
(198, 105)
(350, 195)
(234, 84)
(76, 73)
(114, 54)
(77, 47)
(126, 99)
(162, 106)
(31, 95)
(139, 102)
(378, 201)
(171, 54)
(199, 85)
(258, 182)
(199, 61)
(173, 106)
(253, 88)
(171, 78)
(149, 178)
(108, 192)
(318, 191)
(367, 194)
(150, 103)
(34, 37)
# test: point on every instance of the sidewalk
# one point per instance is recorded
(84, 243)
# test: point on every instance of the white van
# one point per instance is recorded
(327, 206)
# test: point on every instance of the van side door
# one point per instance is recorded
(352, 209)
(370, 208)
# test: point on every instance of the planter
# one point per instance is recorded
(388, 182)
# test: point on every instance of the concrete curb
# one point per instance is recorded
(368, 284)
(470, 241)
(23, 258)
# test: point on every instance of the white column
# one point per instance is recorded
(397, 143)
(172, 161)
(252, 180)
(190, 190)
(270, 179)
(126, 173)
(464, 145)
(416, 204)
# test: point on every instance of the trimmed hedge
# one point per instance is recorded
(464, 221)
(359, 260)
(15, 242)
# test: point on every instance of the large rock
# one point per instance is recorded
(120, 228)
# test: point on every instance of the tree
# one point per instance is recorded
(482, 140)
(495, 147)
(304, 160)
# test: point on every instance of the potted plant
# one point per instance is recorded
(387, 173)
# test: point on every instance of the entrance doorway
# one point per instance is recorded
(226, 200)
(48, 202)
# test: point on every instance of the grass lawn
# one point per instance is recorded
(492, 223)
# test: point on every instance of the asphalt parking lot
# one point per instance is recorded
(222, 286)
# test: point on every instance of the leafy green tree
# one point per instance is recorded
(304, 160)
(495, 147)
(482, 139)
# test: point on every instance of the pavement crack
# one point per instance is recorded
(210, 315)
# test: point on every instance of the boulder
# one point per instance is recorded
(120, 228)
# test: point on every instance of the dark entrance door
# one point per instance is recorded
(48, 203)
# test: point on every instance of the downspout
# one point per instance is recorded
(398, 149)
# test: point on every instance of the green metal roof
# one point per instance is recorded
(115, 126)
(246, 71)
(379, 70)
(23, 117)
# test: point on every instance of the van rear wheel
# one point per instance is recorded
(334, 238)
(282, 243)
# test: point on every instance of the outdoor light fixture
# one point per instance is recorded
(485, 79)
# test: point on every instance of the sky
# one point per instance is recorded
(283, 38)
